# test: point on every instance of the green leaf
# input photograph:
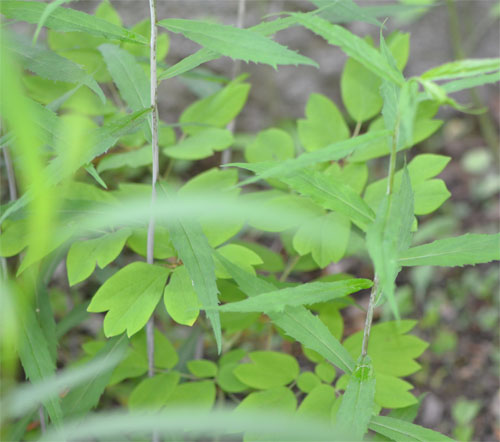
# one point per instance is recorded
(318, 403)
(270, 145)
(134, 158)
(329, 242)
(354, 175)
(180, 298)
(199, 395)
(462, 68)
(84, 255)
(202, 368)
(324, 124)
(67, 20)
(390, 235)
(165, 354)
(128, 76)
(49, 65)
(83, 398)
(196, 254)
(268, 369)
(332, 195)
(216, 110)
(130, 297)
(297, 322)
(333, 152)
(14, 237)
(280, 398)
(200, 145)
(33, 351)
(346, 11)
(310, 293)
(470, 82)
(428, 194)
(239, 255)
(325, 371)
(469, 249)
(307, 381)
(227, 381)
(144, 28)
(222, 182)
(357, 402)
(239, 44)
(397, 429)
(393, 355)
(163, 247)
(152, 393)
(352, 45)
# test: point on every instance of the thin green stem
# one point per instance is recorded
(292, 262)
(357, 128)
(154, 178)
(369, 317)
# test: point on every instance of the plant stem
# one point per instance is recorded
(11, 178)
(357, 128)
(43, 424)
(374, 292)
(289, 267)
(226, 154)
(154, 151)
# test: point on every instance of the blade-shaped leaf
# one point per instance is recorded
(128, 75)
(470, 82)
(331, 194)
(462, 68)
(196, 254)
(67, 20)
(297, 322)
(469, 249)
(358, 401)
(397, 429)
(332, 152)
(309, 293)
(352, 45)
(85, 397)
(390, 235)
(344, 11)
(35, 357)
(240, 44)
(50, 65)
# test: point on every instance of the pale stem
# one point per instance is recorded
(11, 178)
(154, 152)
(369, 317)
(43, 424)
(357, 129)
(226, 154)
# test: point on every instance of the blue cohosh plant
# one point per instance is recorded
(179, 248)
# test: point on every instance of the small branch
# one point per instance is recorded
(226, 154)
(154, 152)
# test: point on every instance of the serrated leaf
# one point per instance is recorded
(49, 65)
(128, 76)
(297, 322)
(239, 44)
(310, 293)
(180, 298)
(152, 393)
(84, 255)
(462, 68)
(324, 124)
(345, 11)
(357, 402)
(352, 45)
(85, 397)
(196, 254)
(67, 20)
(130, 297)
(397, 429)
(334, 152)
(469, 249)
(200, 145)
(270, 145)
(331, 194)
(390, 235)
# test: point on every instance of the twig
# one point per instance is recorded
(154, 149)
(226, 154)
